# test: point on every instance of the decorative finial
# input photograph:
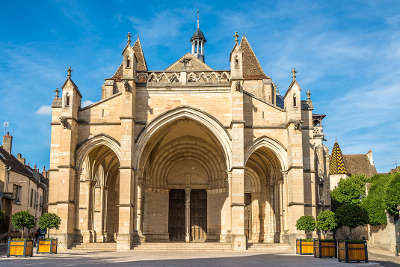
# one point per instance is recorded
(129, 38)
(198, 19)
(57, 92)
(294, 73)
(236, 35)
(308, 94)
(69, 70)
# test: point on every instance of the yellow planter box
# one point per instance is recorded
(350, 251)
(22, 248)
(47, 246)
(304, 247)
(324, 248)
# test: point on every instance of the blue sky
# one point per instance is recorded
(346, 52)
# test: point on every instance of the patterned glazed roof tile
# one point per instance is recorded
(336, 164)
(251, 67)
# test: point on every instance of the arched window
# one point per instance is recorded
(128, 62)
(294, 100)
(67, 100)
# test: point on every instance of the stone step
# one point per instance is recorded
(182, 246)
(96, 246)
(270, 247)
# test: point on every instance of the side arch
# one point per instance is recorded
(203, 118)
(271, 144)
(85, 148)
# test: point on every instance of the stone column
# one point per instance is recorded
(97, 214)
(84, 209)
(105, 213)
(187, 214)
(269, 215)
(139, 210)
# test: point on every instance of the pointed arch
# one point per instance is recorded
(84, 148)
(271, 144)
(179, 113)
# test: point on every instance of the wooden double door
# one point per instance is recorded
(198, 215)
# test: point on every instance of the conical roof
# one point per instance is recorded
(336, 164)
(198, 35)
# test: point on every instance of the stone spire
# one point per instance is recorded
(198, 40)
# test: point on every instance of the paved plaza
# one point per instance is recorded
(183, 258)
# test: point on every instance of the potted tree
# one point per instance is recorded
(48, 221)
(21, 246)
(326, 221)
(307, 224)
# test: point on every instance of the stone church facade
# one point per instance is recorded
(186, 154)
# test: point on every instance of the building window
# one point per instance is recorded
(294, 101)
(17, 194)
(128, 63)
(41, 204)
(31, 199)
(67, 100)
(35, 202)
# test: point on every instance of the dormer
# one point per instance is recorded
(70, 97)
(129, 61)
(236, 60)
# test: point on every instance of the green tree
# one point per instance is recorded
(49, 221)
(22, 220)
(350, 191)
(326, 221)
(351, 215)
(392, 194)
(306, 223)
(374, 202)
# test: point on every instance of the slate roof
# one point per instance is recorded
(359, 164)
(336, 163)
(251, 67)
(10, 161)
(280, 101)
(198, 35)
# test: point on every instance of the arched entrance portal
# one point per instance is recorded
(263, 196)
(184, 184)
(98, 194)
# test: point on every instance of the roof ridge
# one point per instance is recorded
(137, 47)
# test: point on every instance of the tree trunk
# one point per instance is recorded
(23, 228)
(48, 233)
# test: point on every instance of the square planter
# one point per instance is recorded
(47, 246)
(304, 247)
(350, 251)
(325, 248)
(20, 248)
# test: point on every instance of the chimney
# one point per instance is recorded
(370, 158)
(20, 158)
(7, 142)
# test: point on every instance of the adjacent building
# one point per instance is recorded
(343, 166)
(22, 188)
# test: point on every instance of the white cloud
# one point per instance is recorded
(87, 103)
(44, 110)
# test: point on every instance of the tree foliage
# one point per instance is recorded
(306, 223)
(392, 194)
(22, 219)
(351, 215)
(374, 203)
(349, 191)
(326, 221)
(49, 221)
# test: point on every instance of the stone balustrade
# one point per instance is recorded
(184, 77)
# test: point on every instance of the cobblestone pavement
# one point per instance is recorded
(181, 258)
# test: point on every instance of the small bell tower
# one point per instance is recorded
(198, 40)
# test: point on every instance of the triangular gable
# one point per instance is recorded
(251, 66)
(69, 82)
(192, 63)
(336, 164)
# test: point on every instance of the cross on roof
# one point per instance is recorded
(294, 73)
(236, 35)
(129, 37)
(69, 70)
